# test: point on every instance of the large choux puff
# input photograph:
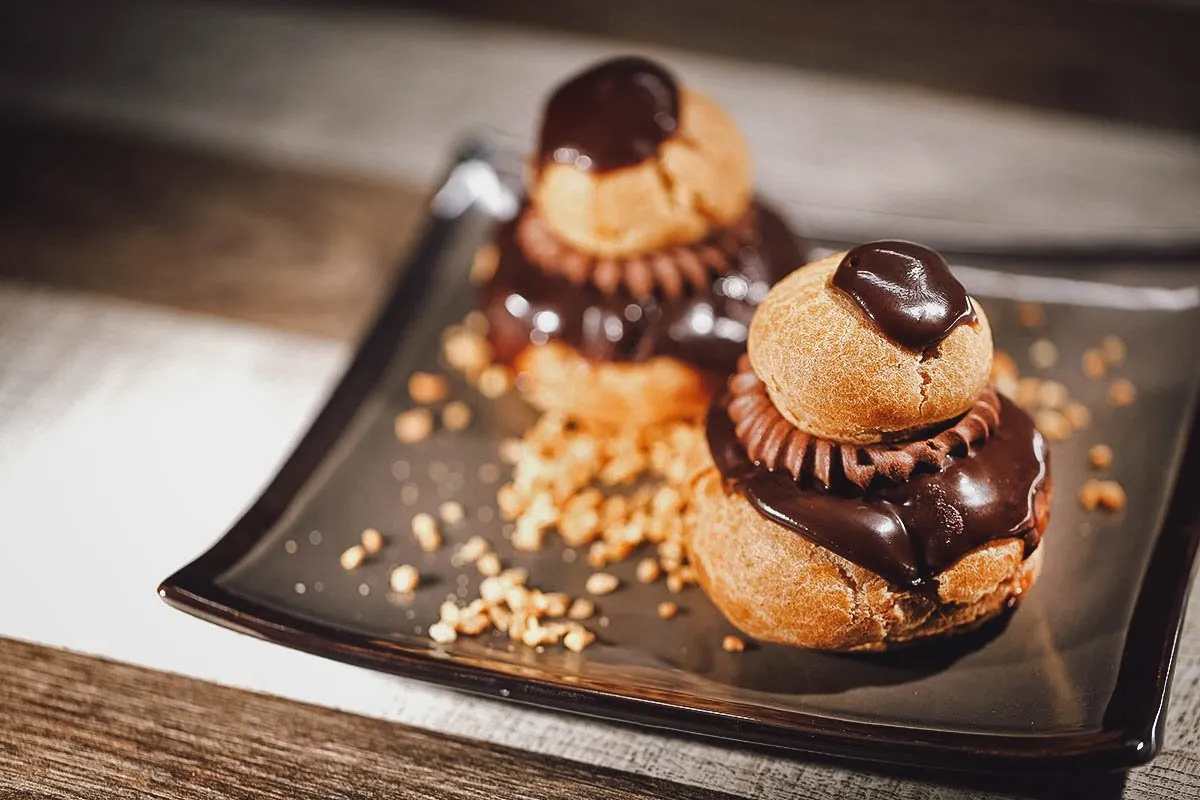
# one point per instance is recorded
(700, 180)
(831, 372)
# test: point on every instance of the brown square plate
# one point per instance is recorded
(1078, 675)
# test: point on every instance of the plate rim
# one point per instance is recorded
(1132, 728)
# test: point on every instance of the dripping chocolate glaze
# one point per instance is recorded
(524, 305)
(911, 531)
(907, 290)
(614, 115)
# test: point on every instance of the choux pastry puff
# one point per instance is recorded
(868, 487)
(623, 290)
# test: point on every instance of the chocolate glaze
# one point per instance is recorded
(525, 305)
(911, 531)
(614, 115)
(907, 290)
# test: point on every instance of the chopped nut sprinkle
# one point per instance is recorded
(466, 351)
(483, 266)
(577, 639)
(581, 608)
(426, 388)
(1100, 456)
(1113, 349)
(494, 381)
(1053, 424)
(1108, 495)
(1094, 365)
(1043, 354)
(1112, 496)
(451, 512)
(733, 644)
(472, 550)
(1121, 392)
(667, 609)
(372, 541)
(352, 558)
(488, 564)
(648, 570)
(442, 633)
(1052, 394)
(456, 416)
(404, 579)
(1031, 315)
(425, 530)
(414, 425)
(601, 583)
(1077, 414)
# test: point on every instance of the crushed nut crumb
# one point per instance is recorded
(494, 381)
(425, 530)
(451, 512)
(483, 265)
(648, 570)
(1100, 456)
(1053, 424)
(414, 425)
(488, 564)
(1031, 315)
(733, 644)
(1107, 495)
(456, 416)
(466, 351)
(1043, 354)
(667, 609)
(1094, 365)
(372, 541)
(404, 579)
(442, 633)
(1052, 394)
(426, 388)
(353, 556)
(472, 550)
(1077, 414)
(1121, 392)
(581, 608)
(577, 639)
(1113, 349)
(601, 583)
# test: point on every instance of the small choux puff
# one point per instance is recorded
(700, 180)
(832, 373)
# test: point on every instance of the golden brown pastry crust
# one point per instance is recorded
(831, 373)
(557, 378)
(700, 181)
(778, 586)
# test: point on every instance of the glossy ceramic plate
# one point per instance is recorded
(1078, 675)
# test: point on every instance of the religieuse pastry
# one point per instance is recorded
(623, 289)
(870, 487)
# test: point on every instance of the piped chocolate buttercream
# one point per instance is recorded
(703, 324)
(906, 290)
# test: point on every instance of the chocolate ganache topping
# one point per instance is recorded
(907, 290)
(614, 115)
(774, 443)
(906, 531)
(704, 324)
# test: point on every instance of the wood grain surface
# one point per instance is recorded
(76, 726)
(164, 224)
(1134, 61)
